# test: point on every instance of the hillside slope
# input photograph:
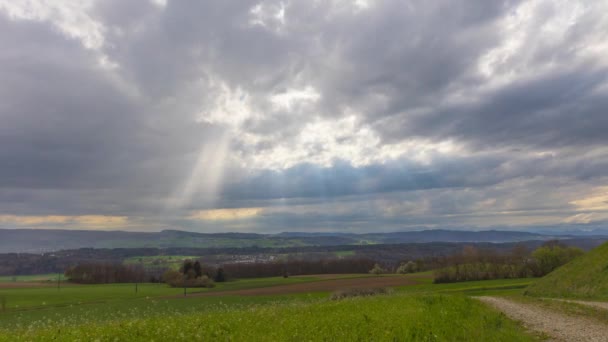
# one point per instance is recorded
(583, 277)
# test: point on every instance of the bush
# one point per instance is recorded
(349, 293)
(172, 276)
(408, 267)
(377, 269)
(177, 279)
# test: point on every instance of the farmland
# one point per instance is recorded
(342, 307)
(236, 310)
(430, 317)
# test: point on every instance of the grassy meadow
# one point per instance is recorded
(21, 298)
(419, 312)
(384, 318)
(50, 277)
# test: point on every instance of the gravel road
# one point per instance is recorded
(558, 326)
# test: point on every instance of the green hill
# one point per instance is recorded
(583, 277)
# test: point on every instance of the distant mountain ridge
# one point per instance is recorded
(39, 240)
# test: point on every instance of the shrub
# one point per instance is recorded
(377, 269)
(172, 276)
(408, 267)
(177, 279)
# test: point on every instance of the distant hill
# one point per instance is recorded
(584, 277)
(39, 241)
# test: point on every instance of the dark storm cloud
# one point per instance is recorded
(61, 116)
(558, 110)
(344, 179)
(67, 124)
(118, 129)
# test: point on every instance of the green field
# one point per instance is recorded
(71, 294)
(422, 312)
(28, 278)
(398, 317)
(342, 254)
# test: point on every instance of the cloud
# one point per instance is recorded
(225, 214)
(596, 201)
(60, 221)
(266, 115)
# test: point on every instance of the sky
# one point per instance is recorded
(270, 116)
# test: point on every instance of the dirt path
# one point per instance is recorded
(558, 326)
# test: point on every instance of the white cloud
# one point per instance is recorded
(70, 16)
(159, 108)
(293, 97)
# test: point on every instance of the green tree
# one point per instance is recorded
(198, 270)
(188, 269)
(220, 276)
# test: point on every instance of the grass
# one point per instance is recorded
(40, 297)
(91, 302)
(135, 308)
(585, 277)
(342, 254)
(386, 318)
(69, 294)
(423, 312)
(30, 278)
(471, 288)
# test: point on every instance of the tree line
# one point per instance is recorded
(479, 264)
(105, 273)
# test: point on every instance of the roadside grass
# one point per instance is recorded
(385, 318)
